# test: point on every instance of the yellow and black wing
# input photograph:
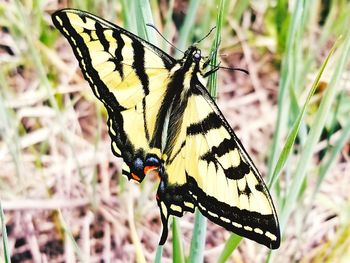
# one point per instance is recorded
(223, 181)
(208, 168)
(127, 74)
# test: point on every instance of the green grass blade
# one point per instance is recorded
(178, 254)
(159, 253)
(198, 238)
(129, 22)
(68, 233)
(287, 71)
(187, 26)
(4, 236)
(212, 83)
(314, 135)
(231, 244)
(294, 132)
(343, 139)
(143, 17)
(167, 25)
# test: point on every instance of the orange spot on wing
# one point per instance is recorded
(148, 168)
(135, 177)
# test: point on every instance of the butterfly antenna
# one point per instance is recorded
(156, 29)
(211, 30)
(234, 69)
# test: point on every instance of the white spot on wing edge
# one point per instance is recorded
(110, 126)
(270, 235)
(236, 225)
(258, 231)
(176, 208)
(212, 214)
(73, 40)
(66, 31)
(59, 20)
(164, 209)
(116, 149)
(225, 219)
(125, 167)
(201, 206)
(248, 228)
(79, 52)
(188, 204)
(193, 195)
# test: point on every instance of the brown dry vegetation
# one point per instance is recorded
(59, 180)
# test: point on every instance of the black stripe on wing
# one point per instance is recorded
(201, 90)
(167, 60)
(214, 121)
(227, 145)
(139, 66)
(117, 57)
(99, 88)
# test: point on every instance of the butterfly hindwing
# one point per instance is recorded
(222, 180)
(126, 73)
(209, 169)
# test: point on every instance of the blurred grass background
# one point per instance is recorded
(61, 191)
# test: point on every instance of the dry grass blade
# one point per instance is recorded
(55, 152)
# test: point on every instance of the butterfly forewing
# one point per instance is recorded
(126, 73)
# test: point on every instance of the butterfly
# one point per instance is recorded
(162, 121)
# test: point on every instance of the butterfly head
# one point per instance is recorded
(196, 55)
(192, 55)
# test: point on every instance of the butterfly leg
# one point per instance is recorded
(211, 57)
(211, 71)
